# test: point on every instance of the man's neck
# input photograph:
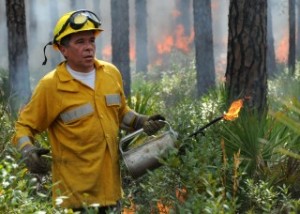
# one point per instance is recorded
(83, 70)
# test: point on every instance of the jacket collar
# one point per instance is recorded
(62, 73)
(67, 82)
(65, 76)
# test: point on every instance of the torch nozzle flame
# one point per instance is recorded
(234, 110)
(232, 114)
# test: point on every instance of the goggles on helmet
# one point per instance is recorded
(78, 19)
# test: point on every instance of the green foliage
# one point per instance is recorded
(192, 167)
(214, 175)
(145, 96)
(250, 165)
(21, 192)
(256, 138)
(178, 85)
(6, 123)
(283, 91)
(286, 110)
(4, 86)
(264, 198)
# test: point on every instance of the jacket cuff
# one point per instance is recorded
(23, 142)
(133, 120)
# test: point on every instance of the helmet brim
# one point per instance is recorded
(96, 30)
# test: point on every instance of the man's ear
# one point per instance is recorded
(63, 50)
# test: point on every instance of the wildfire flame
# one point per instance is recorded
(179, 41)
(106, 52)
(234, 110)
(283, 49)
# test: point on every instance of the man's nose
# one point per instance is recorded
(89, 46)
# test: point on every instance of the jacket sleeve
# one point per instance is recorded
(130, 120)
(35, 117)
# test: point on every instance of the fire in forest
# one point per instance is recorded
(282, 49)
(179, 41)
(234, 110)
(232, 114)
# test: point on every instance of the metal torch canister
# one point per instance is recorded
(146, 156)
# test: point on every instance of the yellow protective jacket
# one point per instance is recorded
(83, 126)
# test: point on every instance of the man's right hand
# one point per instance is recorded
(33, 160)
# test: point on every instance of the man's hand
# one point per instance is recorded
(153, 124)
(33, 160)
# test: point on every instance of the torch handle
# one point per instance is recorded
(205, 126)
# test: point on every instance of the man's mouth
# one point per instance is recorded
(89, 57)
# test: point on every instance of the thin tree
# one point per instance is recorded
(141, 34)
(271, 60)
(55, 56)
(3, 45)
(298, 31)
(32, 21)
(96, 4)
(204, 46)
(99, 40)
(77, 4)
(120, 40)
(73, 5)
(17, 54)
(246, 74)
(292, 38)
(183, 8)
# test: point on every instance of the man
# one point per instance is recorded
(81, 104)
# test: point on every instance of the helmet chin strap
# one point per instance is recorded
(45, 60)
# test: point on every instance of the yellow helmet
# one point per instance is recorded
(76, 21)
(73, 22)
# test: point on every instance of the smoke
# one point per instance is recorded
(3, 37)
(160, 23)
(279, 10)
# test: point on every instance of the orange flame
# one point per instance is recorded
(179, 40)
(183, 42)
(282, 50)
(166, 45)
(106, 52)
(234, 110)
(176, 13)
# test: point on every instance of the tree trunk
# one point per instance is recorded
(96, 7)
(17, 54)
(298, 31)
(246, 74)
(73, 5)
(55, 57)
(292, 38)
(204, 46)
(32, 21)
(183, 18)
(271, 60)
(77, 4)
(120, 40)
(99, 40)
(141, 35)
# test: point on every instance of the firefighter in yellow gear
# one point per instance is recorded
(82, 106)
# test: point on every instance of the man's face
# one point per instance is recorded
(80, 51)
